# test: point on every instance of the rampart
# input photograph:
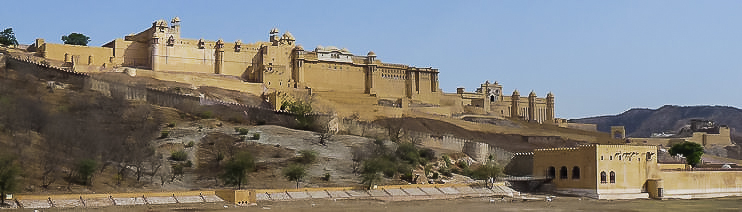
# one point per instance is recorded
(701, 184)
(187, 103)
(476, 150)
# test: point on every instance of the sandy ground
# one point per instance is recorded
(467, 204)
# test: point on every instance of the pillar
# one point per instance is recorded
(219, 57)
(532, 106)
(155, 53)
(550, 107)
(514, 104)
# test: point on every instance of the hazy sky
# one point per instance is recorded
(597, 57)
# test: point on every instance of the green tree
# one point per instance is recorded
(307, 156)
(486, 171)
(409, 152)
(85, 170)
(302, 112)
(7, 37)
(295, 172)
(9, 172)
(235, 171)
(76, 39)
(372, 168)
(691, 151)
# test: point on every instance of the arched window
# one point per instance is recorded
(602, 177)
(563, 172)
(551, 172)
(492, 98)
(613, 177)
(575, 172)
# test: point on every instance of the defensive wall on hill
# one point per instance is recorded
(187, 103)
(476, 150)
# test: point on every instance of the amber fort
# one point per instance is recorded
(282, 66)
(281, 70)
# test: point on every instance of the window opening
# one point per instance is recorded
(613, 177)
(563, 172)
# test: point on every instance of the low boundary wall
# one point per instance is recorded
(476, 150)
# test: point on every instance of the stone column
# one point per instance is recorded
(155, 53)
(532, 106)
(219, 57)
(550, 107)
(514, 104)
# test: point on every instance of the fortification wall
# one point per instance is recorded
(192, 104)
(325, 76)
(701, 184)
(28, 65)
(100, 55)
(390, 83)
(196, 80)
(579, 126)
(476, 150)
(520, 165)
(132, 54)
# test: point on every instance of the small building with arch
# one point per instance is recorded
(629, 172)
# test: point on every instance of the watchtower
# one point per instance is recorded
(618, 132)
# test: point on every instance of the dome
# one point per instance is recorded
(515, 93)
(288, 36)
(319, 48)
(300, 48)
(550, 95)
(175, 20)
(532, 93)
(274, 31)
(160, 23)
(371, 54)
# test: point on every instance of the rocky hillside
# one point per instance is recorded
(668, 118)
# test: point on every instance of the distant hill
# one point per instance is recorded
(668, 118)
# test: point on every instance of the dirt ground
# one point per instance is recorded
(467, 204)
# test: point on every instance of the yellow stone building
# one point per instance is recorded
(489, 99)
(629, 172)
(280, 65)
(704, 132)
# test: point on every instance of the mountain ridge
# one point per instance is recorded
(642, 122)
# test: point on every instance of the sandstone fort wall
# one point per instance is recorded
(476, 150)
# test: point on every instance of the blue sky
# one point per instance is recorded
(597, 57)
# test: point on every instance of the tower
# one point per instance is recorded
(298, 75)
(514, 104)
(532, 106)
(550, 108)
(618, 132)
(274, 38)
(370, 72)
(219, 56)
(159, 27)
(175, 25)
